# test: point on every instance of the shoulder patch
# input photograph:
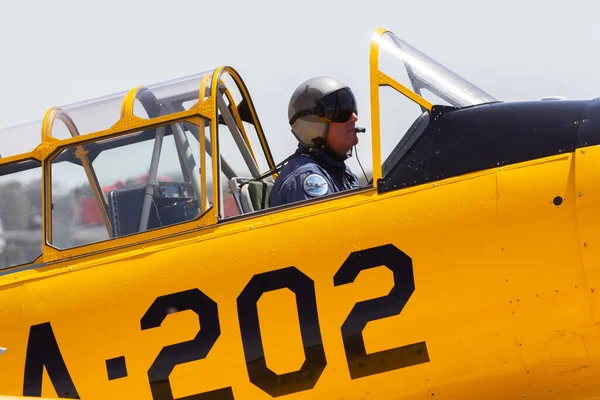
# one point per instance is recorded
(315, 185)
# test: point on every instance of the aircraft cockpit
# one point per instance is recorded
(158, 175)
(182, 155)
(132, 162)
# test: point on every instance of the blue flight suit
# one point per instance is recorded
(311, 173)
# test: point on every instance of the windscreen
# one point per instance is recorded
(403, 72)
(429, 79)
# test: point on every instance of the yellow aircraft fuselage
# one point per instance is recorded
(483, 284)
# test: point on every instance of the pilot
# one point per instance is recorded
(322, 113)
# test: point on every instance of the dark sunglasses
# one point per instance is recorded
(337, 106)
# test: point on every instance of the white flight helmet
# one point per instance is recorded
(317, 102)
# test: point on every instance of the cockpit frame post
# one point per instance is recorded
(379, 79)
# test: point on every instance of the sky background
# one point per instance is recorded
(60, 52)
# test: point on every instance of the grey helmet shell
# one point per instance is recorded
(308, 129)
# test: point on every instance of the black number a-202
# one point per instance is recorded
(43, 350)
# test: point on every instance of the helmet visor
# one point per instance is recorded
(337, 106)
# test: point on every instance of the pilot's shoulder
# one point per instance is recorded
(301, 160)
(300, 166)
(310, 168)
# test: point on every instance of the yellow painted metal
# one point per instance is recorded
(48, 252)
(126, 126)
(44, 149)
(386, 80)
(542, 336)
(128, 102)
(375, 112)
(20, 157)
(57, 113)
(586, 195)
(24, 398)
(214, 137)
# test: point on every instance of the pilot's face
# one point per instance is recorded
(342, 135)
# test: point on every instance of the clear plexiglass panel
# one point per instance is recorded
(144, 180)
(425, 76)
(94, 115)
(151, 101)
(171, 96)
(241, 112)
(20, 213)
(20, 138)
(402, 120)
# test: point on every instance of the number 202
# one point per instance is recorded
(360, 364)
